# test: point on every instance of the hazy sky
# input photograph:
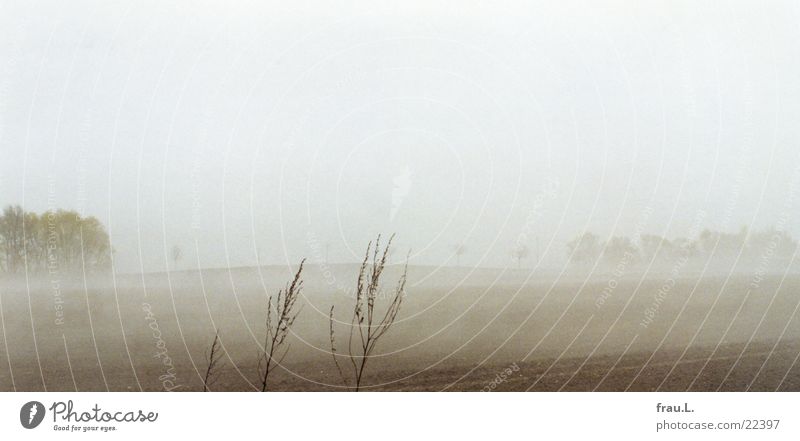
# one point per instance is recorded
(244, 126)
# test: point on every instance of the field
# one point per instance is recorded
(458, 329)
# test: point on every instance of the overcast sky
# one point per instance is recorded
(280, 128)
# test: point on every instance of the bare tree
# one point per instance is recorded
(520, 252)
(177, 253)
(368, 326)
(280, 318)
(459, 250)
(212, 371)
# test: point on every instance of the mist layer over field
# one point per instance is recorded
(588, 195)
(458, 328)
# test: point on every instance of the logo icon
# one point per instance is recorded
(31, 414)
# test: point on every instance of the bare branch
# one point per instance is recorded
(333, 351)
(212, 371)
(278, 326)
(364, 314)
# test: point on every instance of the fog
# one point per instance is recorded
(253, 132)
(599, 194)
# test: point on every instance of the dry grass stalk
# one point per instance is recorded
(212, 371)
(366, 326)
(281, 315)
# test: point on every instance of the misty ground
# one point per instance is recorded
(458, 329)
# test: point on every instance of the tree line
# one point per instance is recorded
(746, 244)
(53, 241)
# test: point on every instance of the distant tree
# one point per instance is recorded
(458, 251)
(12, 238)
(583, 249)
(176, 254)
(83, 242)
(683, 247)
(53, 241)
(652, 247)
(519, 253)
(716, 243)
(619, 248)
(778, 243)
(707, 241)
